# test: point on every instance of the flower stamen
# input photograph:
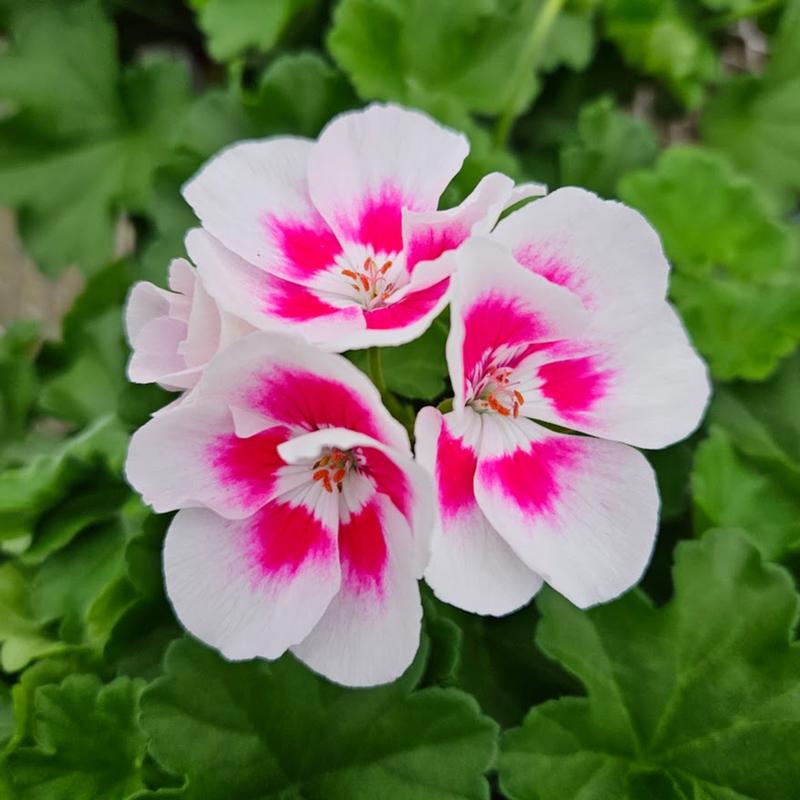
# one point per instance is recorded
(331, 468)
(370, 282)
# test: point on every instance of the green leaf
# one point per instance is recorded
(45, 672)
(755, 119)
(747, 473)
(245, 730)
(74, 585)
(736, 281)
(235, 26)
(18, 382)
(762, 418)
(88, 743)
(27, 491)
(463, 53)
(658, 38)
(87, 369)
(21, 634)
(698, 699)
(298, 94)
(499, 664)
(86, 137)
(733, 492)
(610, 144)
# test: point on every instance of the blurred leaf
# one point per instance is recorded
(84, 587)
(88, 743)
(21, 633)
(747, 473)
(660, 39)
(27, 491)
(18, 382)
(755, 119)
(88, 366)
(215, 722)
(7, 726)
(700, 698)
(298, 94)
(464, 53)
(673, 465)
(610, 144)
(736, 279)
(86, 137)
(763, 418)
(733, 492)
(234, 26)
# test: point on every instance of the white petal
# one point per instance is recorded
(252, 587)
(253, 197)
(581, 512)
(497, 305)
(392, 472)
(633, 376)
(368, 165)
(371, 630)
(269, 302)
(191, 456)
(472, 566)
(292, 383)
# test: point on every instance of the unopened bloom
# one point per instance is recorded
(559, 316)
(174, 334)
(340, 238)
(304, 523)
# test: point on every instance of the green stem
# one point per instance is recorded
(400, 411)
(375, 369)
(527, 62)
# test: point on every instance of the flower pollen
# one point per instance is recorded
(332, 468)
(371, 283)
(497, 392)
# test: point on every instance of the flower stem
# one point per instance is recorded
(400, 411)
(527, 62)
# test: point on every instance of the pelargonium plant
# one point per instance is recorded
(304, 522)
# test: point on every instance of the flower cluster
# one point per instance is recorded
(304, 521)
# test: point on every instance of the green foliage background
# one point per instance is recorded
(687, 688)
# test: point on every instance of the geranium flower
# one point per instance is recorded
(174, 334)
(340, 238)
(576, 332)
(304, 521)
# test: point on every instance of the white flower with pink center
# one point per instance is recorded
(304, 523)
(174, 334)
(560, 315)
(340, 238)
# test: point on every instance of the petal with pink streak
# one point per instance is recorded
(391, 473)
(253, 197)
(413, 308)
(580, 512)
(367, 166)
(370, 631)
(471, 567)
(501, 313)
(257, 586)
(191, 456)
(429, 234)
(634, 376)
(602, 250)
(269, 302)
(294, 384)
